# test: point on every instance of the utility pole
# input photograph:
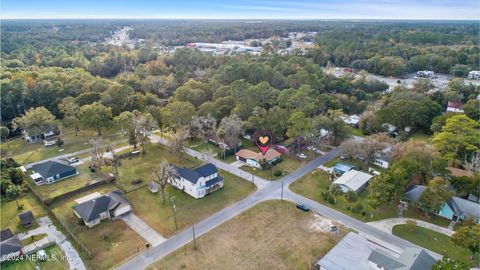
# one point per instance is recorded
(194, 242)
(174, 208)
(253, 178)
(281, 196)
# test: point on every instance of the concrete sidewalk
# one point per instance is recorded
(387, 225)
(145, 231)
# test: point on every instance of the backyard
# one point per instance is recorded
(59, 263)
(110, 242)
(9, 212)
(271, 235)
(433, 241)
(24, 152)
(313, 184)
(149, 207)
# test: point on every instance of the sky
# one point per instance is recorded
(241, 9)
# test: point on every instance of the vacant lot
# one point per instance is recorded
(59, 264)
(434, 241)
(142, 166)
(9, 212)
(288, 165)
(24, 152)
(271, 235)
(110, 242)
(312, 185)
(149, 207)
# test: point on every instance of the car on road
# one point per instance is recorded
(49, 143)
(303, 207)
(72, 160)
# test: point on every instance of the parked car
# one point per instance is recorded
(302, 155)
(49, 143)
(303, 207)
(72, 160)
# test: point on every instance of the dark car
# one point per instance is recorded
(303, 207)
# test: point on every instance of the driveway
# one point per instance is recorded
(387, 225)
(145, 231)
(46, 226)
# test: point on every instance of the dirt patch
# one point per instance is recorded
(321, 224)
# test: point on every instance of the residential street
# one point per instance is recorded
(267, 190)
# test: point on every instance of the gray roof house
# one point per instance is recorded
(414, 192)
(355, 252)
(353, 180)
(10, 245)
(198, 182)
(106, 206)
(26, 218)
(51, 171)
(457, 209)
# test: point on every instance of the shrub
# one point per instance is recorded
(356, 208)
(277, 173)
(328, 197)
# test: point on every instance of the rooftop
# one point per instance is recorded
(353, 179)
(193, 175)
(51, 168)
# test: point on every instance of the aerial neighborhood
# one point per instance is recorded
(240, 144)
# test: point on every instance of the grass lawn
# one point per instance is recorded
(59, 263)
(288, 165)
(313, 184)
(420, 136)
(68, 184)
(142, 165)
(271, 235)
(357, 132)
(434, 241)
(110, 242)
(148, 206)
(24, 152)
(36, 238)
(9, 212)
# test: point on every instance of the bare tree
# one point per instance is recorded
(99, 148)
(350, 148)
(203, 127)
(177, 144)
(229, 130)
(164, 173)
(372, 145)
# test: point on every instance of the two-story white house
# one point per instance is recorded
(198, 182)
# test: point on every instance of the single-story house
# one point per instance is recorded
(353, 180)
(26, 218)
(457, 209)
(382, 158)
(343, 167)
(253, 159)
(51, 171)
(351, 120)
(414, 192)
(35, 137)
(198, 182)
(455, 107)
(10, 245)
(153, 187)
(359, 253)
(106, 206)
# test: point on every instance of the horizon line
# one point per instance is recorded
(243, 18)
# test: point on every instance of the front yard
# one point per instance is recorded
(271, 235)
(149, 207)
(110, 242)
(59, 263)
(433, 241)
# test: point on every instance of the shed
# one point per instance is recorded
(343, 167)
(153, 187)
(26, 218)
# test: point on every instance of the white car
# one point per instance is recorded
(302, 155)
(49, 143)
(72, 160)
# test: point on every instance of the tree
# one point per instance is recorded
(351, 196)
(334, 190)
(229, 131)
(36, 121)
(333, 123)
(203, 127)
(447, 263)
(435, 195)
(164, 173)
(70, 110)
(380, 191)
(4, 133)
(13, 192)
(99, 148)
(137, 126)
(458, 138)
(472, 109)
(298, 126)
(468, 237)
(95, 116)
(177, 144)
(178, 113)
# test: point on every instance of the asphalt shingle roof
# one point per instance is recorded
(193, 175)
(51, 168)
(26, 217)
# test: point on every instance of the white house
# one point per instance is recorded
(199, 181)
(34, 137)
(353, 180)
(383, 158)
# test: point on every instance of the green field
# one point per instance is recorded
(433, 241)
(59, 263)
(149, 207)
(9, 212)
